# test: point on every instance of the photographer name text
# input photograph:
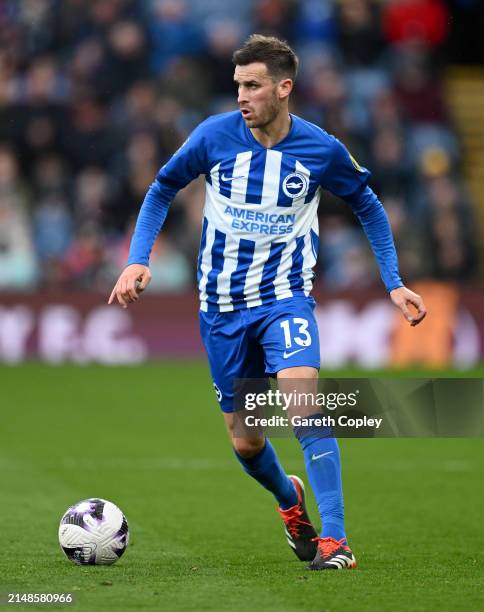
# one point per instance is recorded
(325, 421)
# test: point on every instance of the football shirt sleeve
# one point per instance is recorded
(347, 179)
(185, 165)
(342, 174)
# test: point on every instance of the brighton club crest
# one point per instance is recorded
(295, 185)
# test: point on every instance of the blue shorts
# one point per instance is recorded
(258, 342)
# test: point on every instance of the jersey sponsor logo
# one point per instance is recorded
(295, 185)
(258, 222)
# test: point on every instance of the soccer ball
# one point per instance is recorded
(93, 532)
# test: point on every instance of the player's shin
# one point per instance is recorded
(322, 459)
(267, 470)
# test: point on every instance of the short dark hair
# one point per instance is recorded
(276, 54)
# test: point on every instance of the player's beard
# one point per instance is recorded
(271, 111)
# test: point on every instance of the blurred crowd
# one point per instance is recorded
(96, 95)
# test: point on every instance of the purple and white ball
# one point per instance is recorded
(93, 532)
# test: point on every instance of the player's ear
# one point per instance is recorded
(284, 88)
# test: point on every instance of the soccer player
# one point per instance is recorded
(264, 170)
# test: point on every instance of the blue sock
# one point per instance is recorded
(322, 459)
(267, 470)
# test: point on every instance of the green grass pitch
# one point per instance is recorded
(203, 535)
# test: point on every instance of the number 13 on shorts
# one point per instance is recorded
(296, 332)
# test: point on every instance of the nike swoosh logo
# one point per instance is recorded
(315, 457)
(286, 355)
(232, 178)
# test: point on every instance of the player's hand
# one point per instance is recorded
(133, 280)
(402, 297)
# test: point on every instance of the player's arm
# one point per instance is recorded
(136, 276)
(185, 165)
(372, 216)
(348, 180)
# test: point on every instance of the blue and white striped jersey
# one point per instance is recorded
(260, 226)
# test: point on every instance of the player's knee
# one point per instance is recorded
(248, 447)
(244, 446)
